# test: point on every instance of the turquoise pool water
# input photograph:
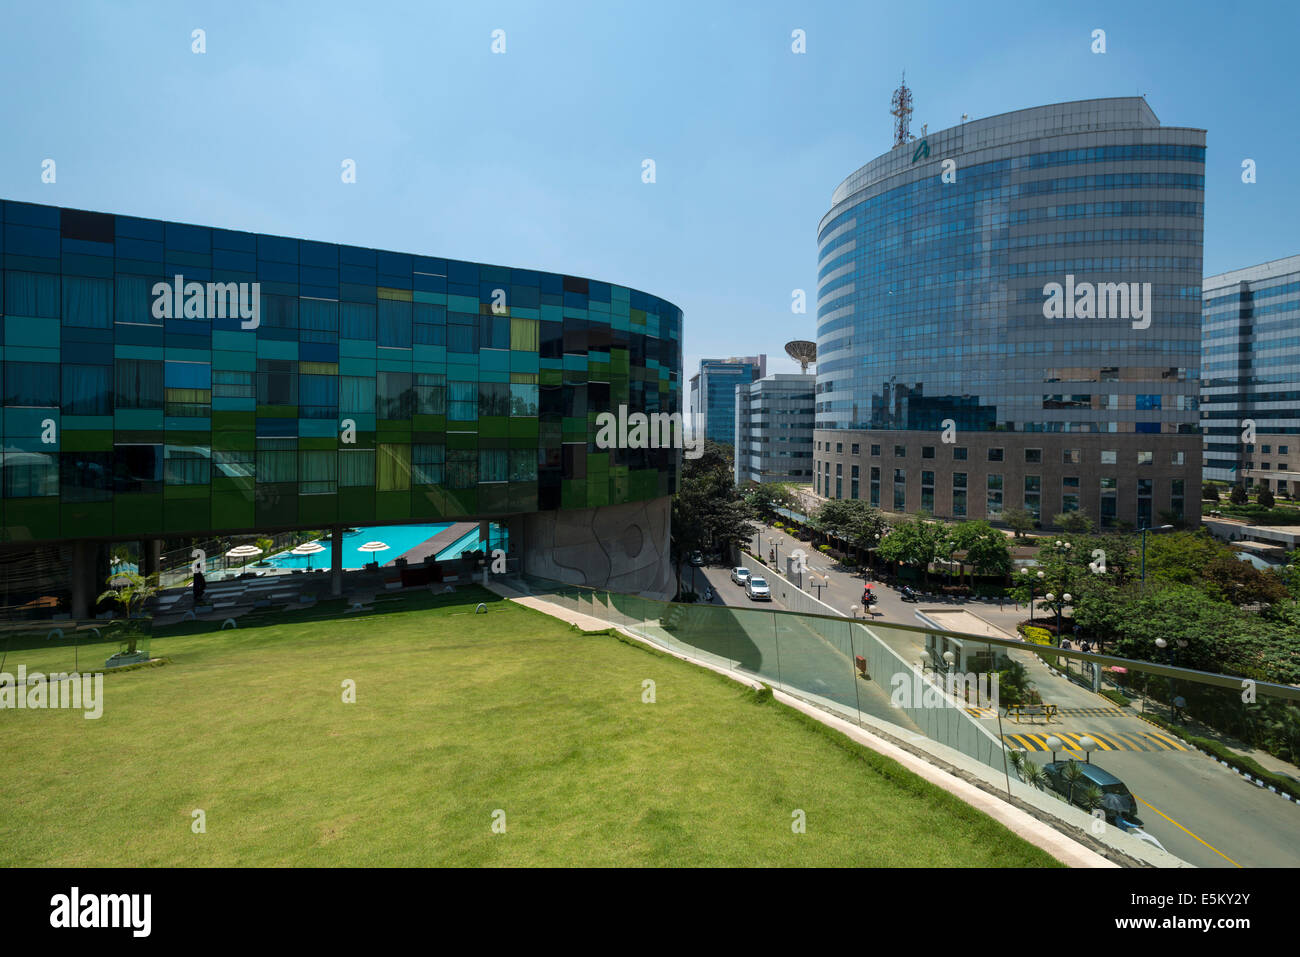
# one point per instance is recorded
(398, 538)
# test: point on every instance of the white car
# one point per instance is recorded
(758, 590)
(740, 576)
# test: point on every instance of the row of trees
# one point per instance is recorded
(1199, 607)
(710, 515)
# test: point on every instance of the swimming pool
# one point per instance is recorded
(398, 538)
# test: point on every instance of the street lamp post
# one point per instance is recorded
(1162, 528)
(1088, 744)
(1059, 605)
(1030, 579)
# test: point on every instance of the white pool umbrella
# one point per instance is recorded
(309, 549)
(245, 552)
(372, 547)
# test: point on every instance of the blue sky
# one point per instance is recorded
(533, 158)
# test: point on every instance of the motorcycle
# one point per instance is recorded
(908, 595)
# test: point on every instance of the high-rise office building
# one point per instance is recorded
(774, 429)
(1250, 376)
(1009, 317)
(713, 394)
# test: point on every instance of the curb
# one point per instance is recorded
(1258, 782)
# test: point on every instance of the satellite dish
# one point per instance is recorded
(803, 352)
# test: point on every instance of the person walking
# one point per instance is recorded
(200, 586)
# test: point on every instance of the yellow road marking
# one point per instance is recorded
(1189, 833)
(1132, 741)
(1173, 745)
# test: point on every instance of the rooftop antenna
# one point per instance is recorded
(901, 110)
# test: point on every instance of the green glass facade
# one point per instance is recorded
(376, 387)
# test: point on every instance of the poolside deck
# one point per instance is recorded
(432, 546)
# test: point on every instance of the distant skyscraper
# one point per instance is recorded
(713, 394)
(1250, 375)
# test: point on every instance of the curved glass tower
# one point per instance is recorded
(169, 380)
(1009, 317)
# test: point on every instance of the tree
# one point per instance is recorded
(132, 593)
(766, 497)
(986, 548)
(1265, 497)
(708, 510)
(1209, 492)
(1075, 521)
(1229, 578)
(852, 521)
(1238, 495)
(1021, 520)
(916, 542)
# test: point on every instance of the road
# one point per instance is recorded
(805, 658)
(1198, 809)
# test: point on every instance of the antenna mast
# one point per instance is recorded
(901, 109)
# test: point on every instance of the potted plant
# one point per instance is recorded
(132, 592)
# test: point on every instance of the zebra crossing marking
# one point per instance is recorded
(1110, 741)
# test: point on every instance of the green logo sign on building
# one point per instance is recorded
(922, 151)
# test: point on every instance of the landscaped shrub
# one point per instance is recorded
(1116, 696)
(1034, 634)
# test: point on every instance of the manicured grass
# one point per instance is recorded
(457, 715)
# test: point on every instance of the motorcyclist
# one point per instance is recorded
(868, 599)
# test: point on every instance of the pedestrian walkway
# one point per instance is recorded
(1111, 741)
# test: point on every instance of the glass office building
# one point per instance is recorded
(1250, 372)
(369, 387)
(1009, 317)
(713, 394)
(774, 429)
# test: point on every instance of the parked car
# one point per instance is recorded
(758, 590)
(740, 575)
(1117, 799)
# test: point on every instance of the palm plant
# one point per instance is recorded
(132, 592)
(1032, 774)
(1017, 758)
(1073, 774)
(1091, 797)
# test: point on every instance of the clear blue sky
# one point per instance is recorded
(533, 158)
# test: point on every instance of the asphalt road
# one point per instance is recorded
(1198, 809)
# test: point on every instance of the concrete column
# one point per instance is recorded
(150, 556)
(83, 570)
(336, 561)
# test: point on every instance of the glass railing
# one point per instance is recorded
(52, 647)
(1143, 760)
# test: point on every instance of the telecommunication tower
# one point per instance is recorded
(901, 110)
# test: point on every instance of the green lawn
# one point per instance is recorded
(457, 715)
